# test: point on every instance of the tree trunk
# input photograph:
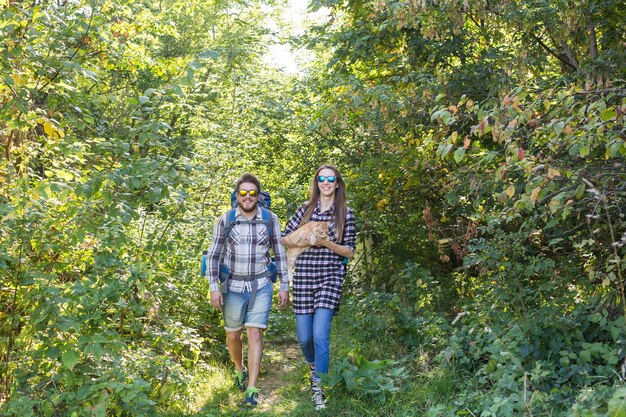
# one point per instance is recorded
(570, 57)
(593, 42)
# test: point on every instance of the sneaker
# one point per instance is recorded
(319, 399)
(252, 397)
(312, 381)
(241, 379)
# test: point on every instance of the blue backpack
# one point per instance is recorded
(264, 205)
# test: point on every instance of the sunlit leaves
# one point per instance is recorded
(105, 111)
(70, 358)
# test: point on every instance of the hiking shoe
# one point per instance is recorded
(319, 399)
(252, 397)
(312, 380)
(241, 379)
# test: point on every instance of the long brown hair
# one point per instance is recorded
(339, 207)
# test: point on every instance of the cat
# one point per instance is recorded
(302, 239)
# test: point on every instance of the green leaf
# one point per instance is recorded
(65, 175)
(208, 54)
(558, 127)
(70, 358)
(613, 150)
(546, 104)
(608, 114)
(459, 154)
(584, 150)
(617, 404)
(444, 149)
(452, 199)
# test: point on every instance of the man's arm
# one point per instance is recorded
(281, 263)
(280, 254)
(214, 254)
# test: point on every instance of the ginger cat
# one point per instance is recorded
(302, 239)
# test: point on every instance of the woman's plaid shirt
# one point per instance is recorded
(319, 272)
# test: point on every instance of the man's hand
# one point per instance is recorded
(283, 298)
(216, 299)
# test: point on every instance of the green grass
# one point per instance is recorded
(284, 387)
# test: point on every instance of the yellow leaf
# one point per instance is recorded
(553, 173)
(510, 191)
(16, 77)
(534, 194)
(382, 204)
(65, 175)
(466, 142)
(47, 127)
(554, 205)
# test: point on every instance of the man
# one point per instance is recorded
(246, 295)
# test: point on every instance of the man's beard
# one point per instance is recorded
(251, 210)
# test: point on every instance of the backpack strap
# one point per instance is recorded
(228, 225)
(266, 215)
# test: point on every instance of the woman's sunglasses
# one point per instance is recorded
(253, 193)
(322, 178)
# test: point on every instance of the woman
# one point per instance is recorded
(320, 270)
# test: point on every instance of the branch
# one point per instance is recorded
(572, 61)
(554, 54)
(71, 57)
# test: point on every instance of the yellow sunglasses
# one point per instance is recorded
(253, 193)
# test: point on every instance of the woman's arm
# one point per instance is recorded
(341, 250)
(349, 238)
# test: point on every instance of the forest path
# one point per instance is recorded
(283, 386)
(281, 372)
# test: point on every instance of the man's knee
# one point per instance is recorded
(233, 336)
(254, 334)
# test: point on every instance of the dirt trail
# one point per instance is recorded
(281, 364)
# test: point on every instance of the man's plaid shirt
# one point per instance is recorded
(247, 252)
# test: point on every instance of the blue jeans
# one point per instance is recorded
(314, 338)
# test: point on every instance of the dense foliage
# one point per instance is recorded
(487, 145)
(123, 125)
(484, 147)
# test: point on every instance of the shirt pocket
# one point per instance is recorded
(263, 236)
(235, 237)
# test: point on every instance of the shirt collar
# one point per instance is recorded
(318, 207)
